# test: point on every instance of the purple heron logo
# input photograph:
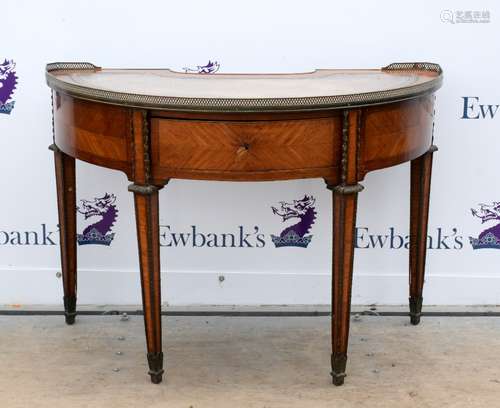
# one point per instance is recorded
(210, 68)
(8, 82)
(99, 232)
(489, 238)
(304, 212)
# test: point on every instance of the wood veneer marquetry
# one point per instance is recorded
(233, 149)
(198, 130)
(396, 133)
(96, 133)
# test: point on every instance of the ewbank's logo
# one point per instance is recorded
(8, 82)
(211, 68)
(98, 233)
(472, 109)
(295, 235)
(489, 238)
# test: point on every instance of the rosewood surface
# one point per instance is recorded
(154, 125)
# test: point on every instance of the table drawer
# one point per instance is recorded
(235, 146)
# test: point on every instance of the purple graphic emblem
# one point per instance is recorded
(98, 232)
(210, 68)
(295, 235)
(489, 238)
(8, 82)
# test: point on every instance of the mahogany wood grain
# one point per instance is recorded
(421, 169)
(152, 142)
(94, 132)
(344, 222)
(226, 148)
(396, 133)
(148, 237)
(246, 116)
(66, 204)
(148, 234)
(256, 150)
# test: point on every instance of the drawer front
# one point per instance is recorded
(230, 146)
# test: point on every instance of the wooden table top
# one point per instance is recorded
(319, 89)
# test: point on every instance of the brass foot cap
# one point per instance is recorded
(70, 318)
(338, 379)
(156, 378)
(415, 319)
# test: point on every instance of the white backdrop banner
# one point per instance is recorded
(216, 237)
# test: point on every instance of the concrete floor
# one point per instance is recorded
(249, 362)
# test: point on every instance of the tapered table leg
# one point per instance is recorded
(147, 220)
(66, 203)
(421, 169)
(344, 221)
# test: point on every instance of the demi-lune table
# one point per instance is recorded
(158, 124)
